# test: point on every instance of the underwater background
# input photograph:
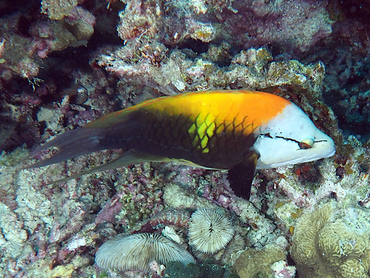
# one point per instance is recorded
(64, 63)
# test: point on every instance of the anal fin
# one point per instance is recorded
(127, 158)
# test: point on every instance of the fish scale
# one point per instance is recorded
(186, 142)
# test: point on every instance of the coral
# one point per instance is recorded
(183, 198)
(110, 210)
(140, 196)
(298, 49)
(57, 9)
(204, 32)
(136, 252)
(263, 229)
(259, 72)
(29, 115)
(150, 21)
(260, 23)
(209, 231)
(17, 58)
(350, 185)
(13, 233)
(328, 242)
(348, 93)
(283, 270)
(252, 69)
(74, 30)
(254, 263)
(139, 18)
(141, 64)
(172, 222)
(292, 25)
(346, 87)
(44, 218)
(23, 55)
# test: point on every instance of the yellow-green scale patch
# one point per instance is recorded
(202, 130)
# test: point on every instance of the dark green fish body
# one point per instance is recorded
(168, 137)
(218, 129)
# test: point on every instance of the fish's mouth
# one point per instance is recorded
(307, 158)
(283, 151)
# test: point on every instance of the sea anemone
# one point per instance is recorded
(209, 231)
(135, 252)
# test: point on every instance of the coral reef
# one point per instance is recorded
(346, 87)
(332, 242)
(348, 92)
(24, 55)
(171, 22)
(294, 25)
(57, 9)
(66, 63)
(254, 263)
(138, 251)
(209, 231)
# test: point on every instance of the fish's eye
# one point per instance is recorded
(306, 143)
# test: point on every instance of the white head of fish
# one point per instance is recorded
(291, 138)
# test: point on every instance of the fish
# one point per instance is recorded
(234, 130)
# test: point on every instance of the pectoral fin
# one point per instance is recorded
(241, 175)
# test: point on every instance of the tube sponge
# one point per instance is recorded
(332, 243)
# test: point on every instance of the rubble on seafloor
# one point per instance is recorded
(64, 64)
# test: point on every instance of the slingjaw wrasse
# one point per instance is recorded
(237, 131)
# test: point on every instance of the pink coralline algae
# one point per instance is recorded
(110, 210)
(173, 23)
(293, 25)
(139, 18)
(23, 54)
(74, 30)
(177, 218)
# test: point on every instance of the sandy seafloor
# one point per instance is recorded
(66, 63)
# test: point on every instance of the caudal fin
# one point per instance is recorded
(69, 144)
